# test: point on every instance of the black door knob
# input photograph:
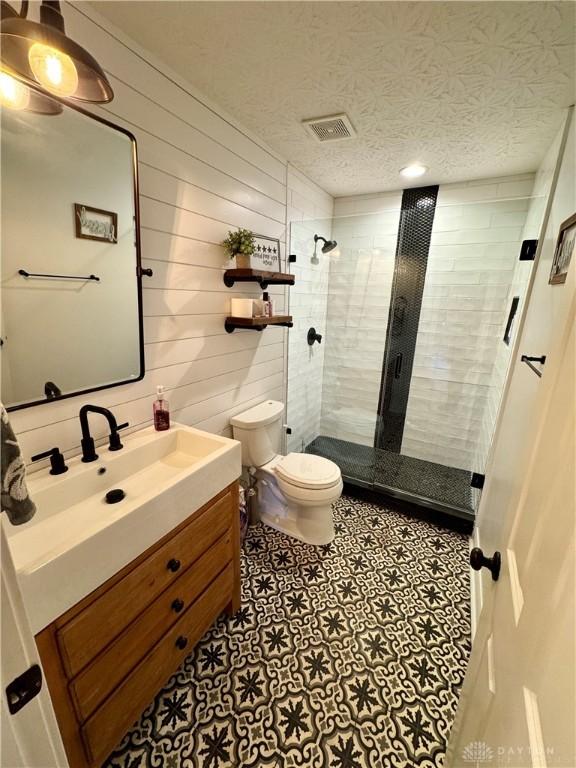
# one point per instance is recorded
(177, 605)
(173, 565)
(478, 561)
(181, 642)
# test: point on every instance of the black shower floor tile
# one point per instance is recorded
(350, 655)
(446, 485)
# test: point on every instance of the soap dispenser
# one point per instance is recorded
(268, 307)
(161, 411)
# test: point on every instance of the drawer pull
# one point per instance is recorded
(177, 605)
(173, 565)
(181, 642)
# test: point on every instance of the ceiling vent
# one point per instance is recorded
(331, 128)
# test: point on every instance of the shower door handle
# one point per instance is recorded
(398, 366)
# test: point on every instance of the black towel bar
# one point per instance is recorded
(25, 273)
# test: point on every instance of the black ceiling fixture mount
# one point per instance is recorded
(40, 54)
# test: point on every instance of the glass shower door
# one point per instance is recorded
(355, 303)
(447, 348)
(413, 309)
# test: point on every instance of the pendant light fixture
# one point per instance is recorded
(17, 96)
(40, 53)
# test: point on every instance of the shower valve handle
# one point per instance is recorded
(398, 365)
(313, 336)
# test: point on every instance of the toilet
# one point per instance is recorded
(295, 492)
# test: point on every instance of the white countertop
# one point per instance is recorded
(76, 541)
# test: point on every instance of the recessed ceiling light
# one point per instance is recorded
(413, 171)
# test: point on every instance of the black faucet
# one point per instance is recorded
(87, 442)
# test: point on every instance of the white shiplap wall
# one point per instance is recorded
(310, 211)
(200, 175)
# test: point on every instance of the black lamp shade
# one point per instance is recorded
(18, 35)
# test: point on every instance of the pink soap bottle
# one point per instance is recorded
(161, 411)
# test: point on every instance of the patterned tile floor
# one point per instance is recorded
(345, 656)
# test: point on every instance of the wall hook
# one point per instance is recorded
(528, 359)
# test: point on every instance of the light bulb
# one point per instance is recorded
(13, 94)
(413, 171)
(54, 70)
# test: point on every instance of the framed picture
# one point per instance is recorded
(95, 223)
(266, 255)
(564, 251)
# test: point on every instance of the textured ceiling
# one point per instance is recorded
(469, 89)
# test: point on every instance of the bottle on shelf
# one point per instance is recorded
(268, 307)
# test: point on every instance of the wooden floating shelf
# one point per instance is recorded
(257, 323)
(260, 276)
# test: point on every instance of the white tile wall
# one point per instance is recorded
(200, 175)
(361, 272)
(478, 229)
(310, 211)
(476, 238)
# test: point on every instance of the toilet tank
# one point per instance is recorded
(259, 429)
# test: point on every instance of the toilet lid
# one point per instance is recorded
(307, 471)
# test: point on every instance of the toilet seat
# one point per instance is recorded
(304, 470)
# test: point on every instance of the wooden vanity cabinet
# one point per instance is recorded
(106, 658)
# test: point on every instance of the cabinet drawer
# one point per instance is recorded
(85, 635)
(98, 680)
(102, 732)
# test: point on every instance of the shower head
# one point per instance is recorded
(328, 246)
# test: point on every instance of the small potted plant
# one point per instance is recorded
(240, 244)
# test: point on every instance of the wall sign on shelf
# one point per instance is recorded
(266, 254)
(95, 223)
(563, 252)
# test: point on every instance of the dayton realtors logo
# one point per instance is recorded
(478, 753)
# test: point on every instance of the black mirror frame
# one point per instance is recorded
(132, 138)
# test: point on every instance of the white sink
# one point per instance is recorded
(76, 541)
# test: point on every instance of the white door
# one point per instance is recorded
(517, 705)
(30, 737)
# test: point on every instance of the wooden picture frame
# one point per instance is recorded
(102, 226)
(266, 254)
(565, 246)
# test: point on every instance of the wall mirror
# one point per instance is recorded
(71, 312)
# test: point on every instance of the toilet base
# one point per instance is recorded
(311, 523)
(288, 527)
